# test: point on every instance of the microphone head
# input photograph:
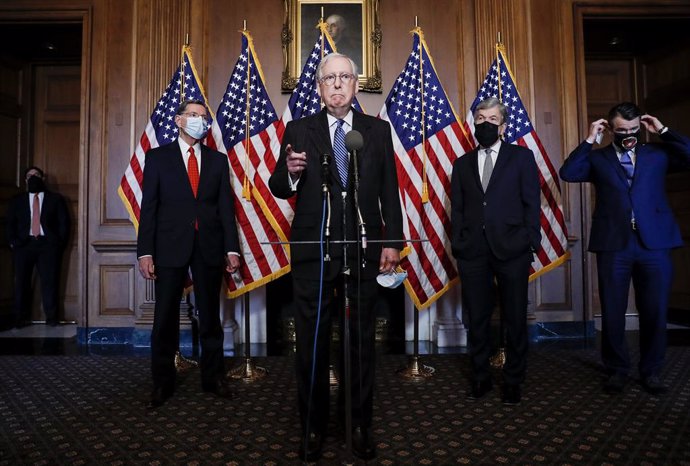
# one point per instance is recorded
(354, 140)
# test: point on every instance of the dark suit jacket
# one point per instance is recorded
(508, 212)
(169, 209)
(616, 199)
(378, 184)
(54, 219)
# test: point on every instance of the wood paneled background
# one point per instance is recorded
(130, 48)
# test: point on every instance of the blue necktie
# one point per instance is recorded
(340, 152)
(628, 166)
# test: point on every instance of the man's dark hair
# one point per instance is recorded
(183, 106)
(626, 110)
(33, 167)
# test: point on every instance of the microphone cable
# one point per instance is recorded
(316, 330)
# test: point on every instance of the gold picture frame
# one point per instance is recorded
(360, 38)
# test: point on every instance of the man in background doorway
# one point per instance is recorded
(633, 232)
(37, 232)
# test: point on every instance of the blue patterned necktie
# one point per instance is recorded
(626, 162)
(340, 152)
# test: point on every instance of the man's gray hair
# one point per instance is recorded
(492, 102)
(331, 56)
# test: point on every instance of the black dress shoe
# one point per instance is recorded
(159, 396)
(362, 444)
(511, 394)
(310, 450)
(615, 383)
(220, 389)
(478, 389)
(654, 386)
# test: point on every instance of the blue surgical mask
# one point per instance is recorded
(196, 127)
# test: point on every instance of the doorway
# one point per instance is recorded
(623, 64)
(40, 68)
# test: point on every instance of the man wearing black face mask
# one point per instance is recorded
(633, 231)
(495, 205)
(37, 232)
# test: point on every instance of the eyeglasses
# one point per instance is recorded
(194, 115)
(345, 78)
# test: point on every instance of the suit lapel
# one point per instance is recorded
(179, 168)
(321, 139)
(612, 157)
(474, 163)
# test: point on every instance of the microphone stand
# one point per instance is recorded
(347, 363)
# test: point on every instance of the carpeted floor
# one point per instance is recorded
(90, 410)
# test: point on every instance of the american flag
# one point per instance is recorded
(160, 130)
(554, 235)
(305, 99)
(427, 138)
(245, 128)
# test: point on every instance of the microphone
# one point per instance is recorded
(354, 143)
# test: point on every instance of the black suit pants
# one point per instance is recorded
(45, 257)
(165, 335)
(314, 401)
(479, 278)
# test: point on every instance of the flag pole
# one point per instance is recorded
(247, 371)
(498, 360)
(414, 369)
(425, 187)
(246, 192)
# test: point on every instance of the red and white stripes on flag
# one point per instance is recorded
(160, 130)
(554, 235)
(246, 128)
(427, 138)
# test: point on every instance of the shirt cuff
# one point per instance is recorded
(233, 253)
(293, 184)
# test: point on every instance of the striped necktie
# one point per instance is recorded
(340, 152)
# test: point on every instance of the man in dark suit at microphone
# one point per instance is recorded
(299, 172)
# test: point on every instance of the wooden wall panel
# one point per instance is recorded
(132, 46)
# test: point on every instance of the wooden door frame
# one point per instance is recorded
(84, 16)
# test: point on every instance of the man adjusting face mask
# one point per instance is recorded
(626, 141)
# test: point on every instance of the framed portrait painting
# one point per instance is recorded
(353, 26)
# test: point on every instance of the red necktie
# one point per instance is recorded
(193, 171)
(36, 217)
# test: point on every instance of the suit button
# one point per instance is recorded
(484, 203)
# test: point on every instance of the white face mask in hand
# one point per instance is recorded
(196, 127)
(391, 279)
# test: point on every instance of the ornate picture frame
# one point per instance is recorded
(356, 30)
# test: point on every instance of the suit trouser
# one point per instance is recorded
(314, 401)
(165, 336)
(651, 273)
(45, 257)
(478, 295)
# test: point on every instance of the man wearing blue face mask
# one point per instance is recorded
(187, 221)
(633, 232)
(495, 208)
